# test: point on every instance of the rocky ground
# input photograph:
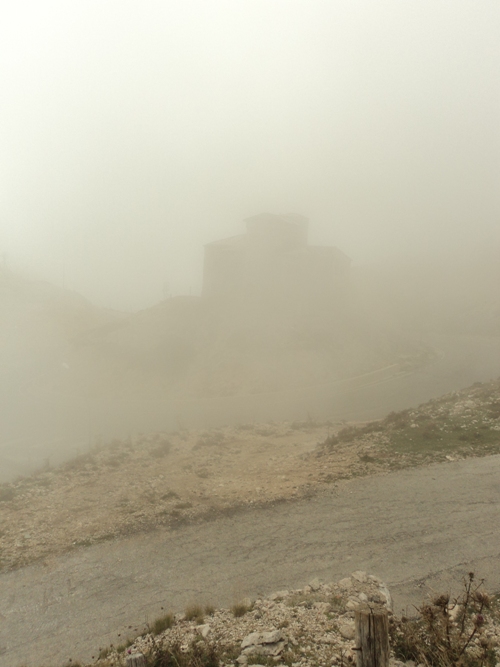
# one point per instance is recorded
(312, 625)
(172, 478)
(298, 628)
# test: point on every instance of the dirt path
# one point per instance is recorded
(412, 528)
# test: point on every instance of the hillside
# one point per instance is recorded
(39, 327)
(166, 479)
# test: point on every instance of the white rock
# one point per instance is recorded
(265, 649)
(363, 597)
(351, 605)
(255, 638)
(346, 583)
(360, 576)
(384, 591)
(203, 629)
(347, 630)
(279, 594)
(315, 584)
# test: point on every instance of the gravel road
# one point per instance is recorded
(415, 529)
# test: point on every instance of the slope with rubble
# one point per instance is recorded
(168, 479)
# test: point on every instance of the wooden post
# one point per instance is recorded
(135, 660)
(372, 638)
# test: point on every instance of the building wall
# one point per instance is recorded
(272, 264)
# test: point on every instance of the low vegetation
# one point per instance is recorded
(197, 654)
(458, 425)
(316, 627)
(450, 632)
(185, 477)
(240, 609)
(194, 613)
(162, 623)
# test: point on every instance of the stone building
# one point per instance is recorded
(272, 264)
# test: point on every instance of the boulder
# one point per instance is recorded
(263, 643)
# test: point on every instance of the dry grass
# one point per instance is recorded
(194, 613)
(199, 654)
(240, 609)
(448, 632)
(161, 624)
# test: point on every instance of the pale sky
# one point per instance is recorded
(131, 133)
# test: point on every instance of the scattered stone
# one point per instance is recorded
(360, 576)
(262, 638)
(384, 591)
(296, 627)
(347, 630)
(203, 630)
(264, 643)
(315, 584)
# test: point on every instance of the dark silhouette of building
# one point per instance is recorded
(273, 264)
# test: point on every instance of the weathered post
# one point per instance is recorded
(135, 660)
(372, 637)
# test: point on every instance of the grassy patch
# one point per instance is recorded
(465, 422)
(240, 609)
(161, 624)
(194, 613)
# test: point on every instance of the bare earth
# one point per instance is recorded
(110, 538)
(172, 479)
(415, 529)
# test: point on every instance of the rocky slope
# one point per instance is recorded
(168, 479)
(298, 628)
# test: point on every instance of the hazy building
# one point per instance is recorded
(273, 264)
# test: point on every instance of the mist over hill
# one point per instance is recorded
(72, 372)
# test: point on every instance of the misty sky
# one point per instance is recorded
(133, 132)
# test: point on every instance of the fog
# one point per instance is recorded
(248, 255)
(133, 134)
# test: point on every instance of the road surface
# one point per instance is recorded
(415, 529)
